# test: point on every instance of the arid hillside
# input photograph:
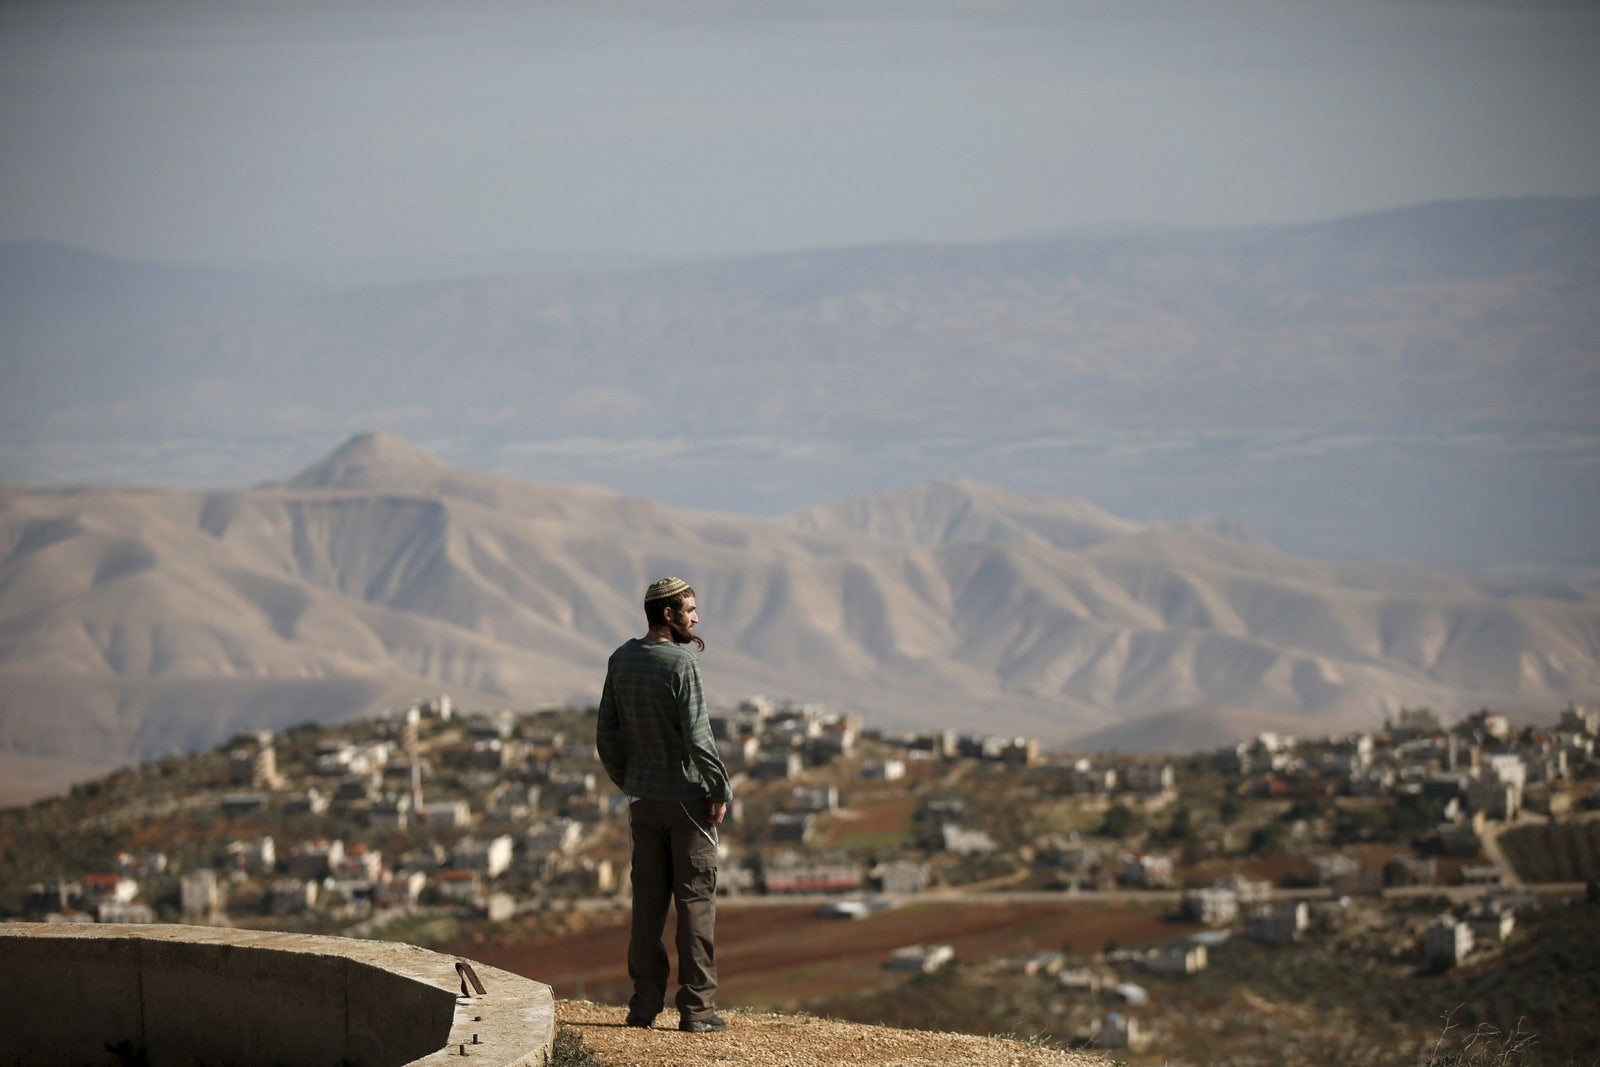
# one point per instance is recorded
(135, 623)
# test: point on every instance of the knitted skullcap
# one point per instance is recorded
(665, 587)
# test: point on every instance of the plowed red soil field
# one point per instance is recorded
(780, 956)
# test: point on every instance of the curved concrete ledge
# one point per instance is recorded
(188, 994)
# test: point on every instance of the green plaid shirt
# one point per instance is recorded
(653, 734)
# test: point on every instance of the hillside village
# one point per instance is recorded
(499, 816)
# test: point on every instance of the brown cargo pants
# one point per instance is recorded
(674, 860)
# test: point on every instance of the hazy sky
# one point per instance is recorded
(275, 130)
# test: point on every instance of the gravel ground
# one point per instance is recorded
(795, 1041)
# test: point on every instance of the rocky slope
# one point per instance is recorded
(766, 1040)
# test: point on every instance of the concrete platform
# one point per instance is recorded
(188, 994)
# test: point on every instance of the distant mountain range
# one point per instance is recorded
(137, 622)
(1422, 383)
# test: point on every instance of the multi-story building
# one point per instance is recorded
(1214, 906)
(1150, 870)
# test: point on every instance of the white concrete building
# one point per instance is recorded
(199, 893)
(1152, 870)
(1447, 940)
(1177, 959)
(1215, 906)
(1280, 924)
(964, 842)
(883, 770)
(924, 958)
(903, 876)
(1118, 1030)
(559, 835)
(490, 857)
(1147, 777)
(455, 813)
(113, 912)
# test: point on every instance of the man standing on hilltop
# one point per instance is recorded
(655, 741)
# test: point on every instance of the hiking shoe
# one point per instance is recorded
(642, 1022)
(704, 1025)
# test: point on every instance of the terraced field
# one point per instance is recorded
(781, 955)
(1555, 852)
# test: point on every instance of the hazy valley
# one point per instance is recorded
(1420, 383)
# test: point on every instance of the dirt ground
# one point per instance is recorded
(795, 1041)
(778, 956)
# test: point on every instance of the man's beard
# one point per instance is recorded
(681, 635)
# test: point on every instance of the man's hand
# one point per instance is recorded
(718, 810)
